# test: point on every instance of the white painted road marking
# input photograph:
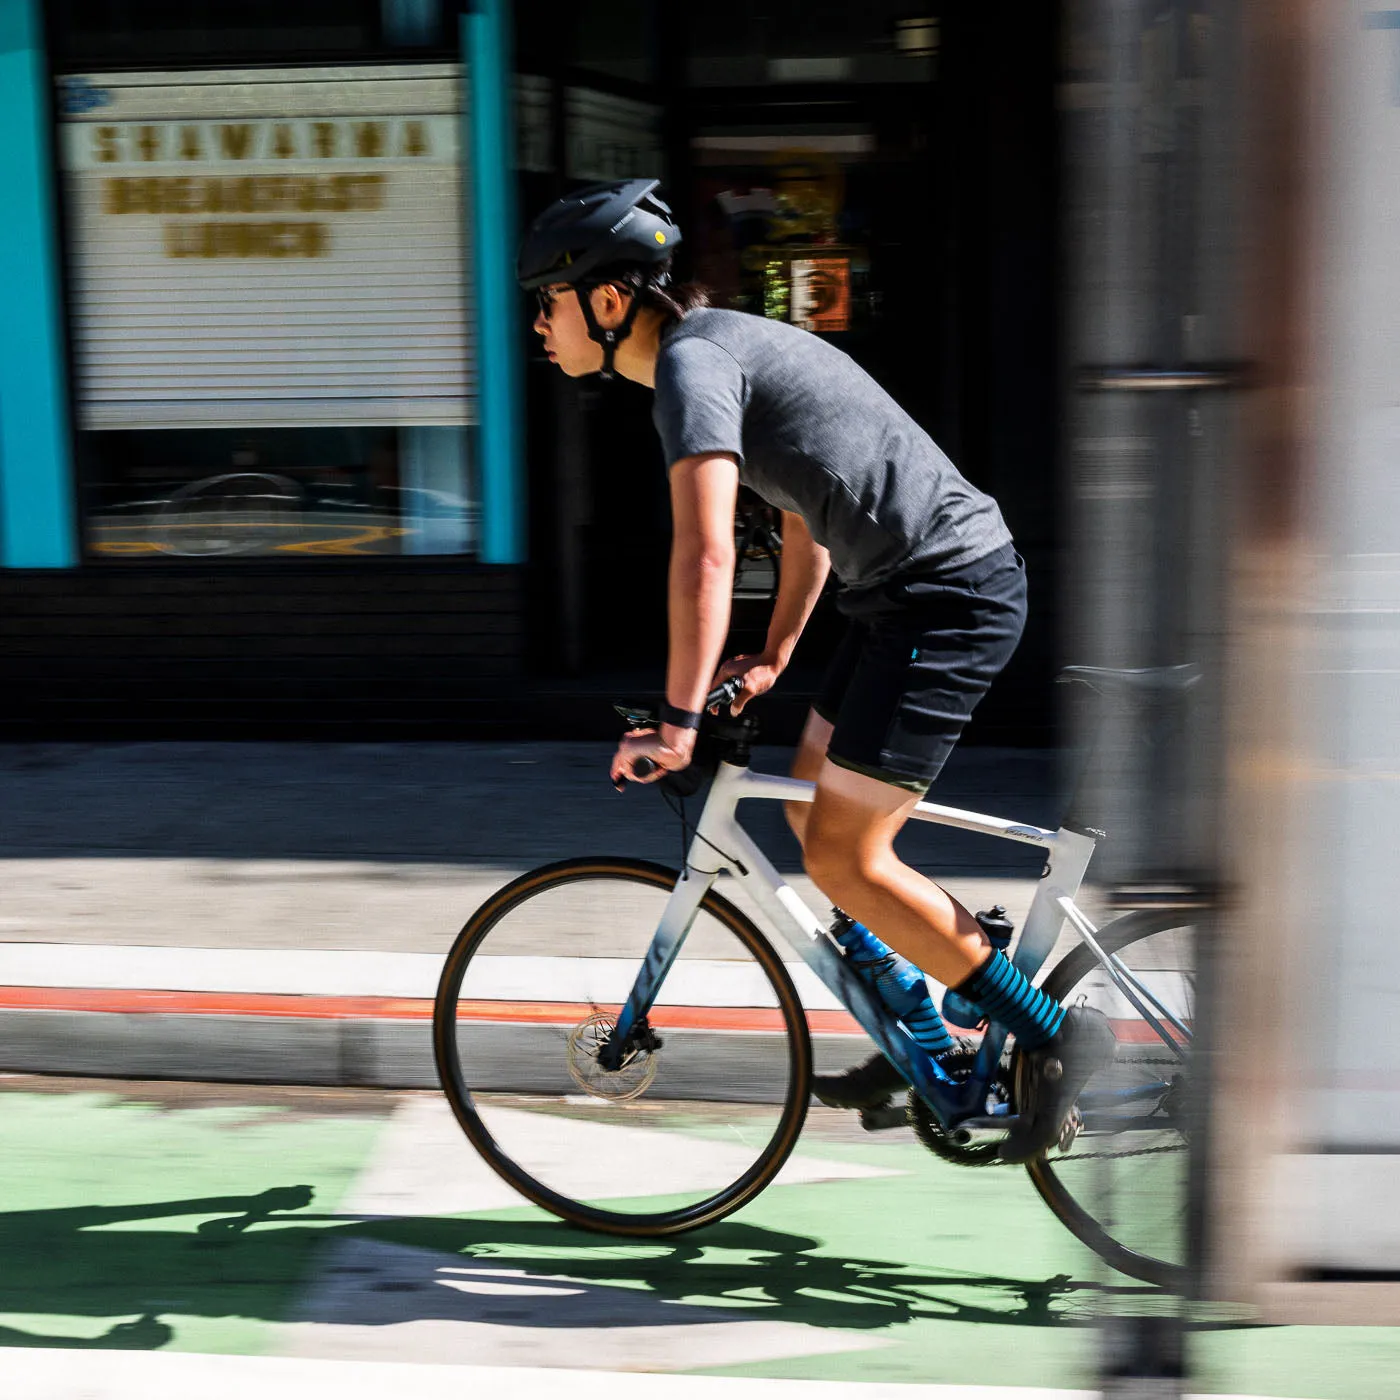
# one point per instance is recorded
(424, 1165)
(374, 1300)
(33, 1374)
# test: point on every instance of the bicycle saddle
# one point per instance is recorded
(1143, 680)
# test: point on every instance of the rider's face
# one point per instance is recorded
(565, 332)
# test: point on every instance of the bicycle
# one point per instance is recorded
(685, 1032)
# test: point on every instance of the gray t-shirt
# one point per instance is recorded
(816, 435)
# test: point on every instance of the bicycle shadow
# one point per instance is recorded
(267, 1257)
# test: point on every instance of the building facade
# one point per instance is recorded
(275, 453)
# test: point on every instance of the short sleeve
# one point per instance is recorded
(699, 404)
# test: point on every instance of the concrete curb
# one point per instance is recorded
(257, 1017)
(349, 1051)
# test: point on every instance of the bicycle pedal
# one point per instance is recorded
(884, 1115)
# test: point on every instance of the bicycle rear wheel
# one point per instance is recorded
(689, 1128)
(1122, 1187)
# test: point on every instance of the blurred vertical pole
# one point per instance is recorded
(489, 141)
(1152, 145)
(1307, 1113)
(37, 524)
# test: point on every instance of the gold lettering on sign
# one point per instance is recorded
(178, 195)
(376, 139)
(246, 240)
(369, 139)
(244, 194)
(234, 141)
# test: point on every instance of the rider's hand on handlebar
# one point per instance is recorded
(758, 675)
(669, 748)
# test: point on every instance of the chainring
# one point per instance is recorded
(936, 1137)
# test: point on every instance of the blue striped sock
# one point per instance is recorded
(926, 1026)
(1006, 997)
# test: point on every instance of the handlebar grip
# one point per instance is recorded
(723, 693)
(643, 768)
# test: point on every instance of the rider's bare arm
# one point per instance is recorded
(803, 568)
(802, 571)
(703, 493)
(701, 588)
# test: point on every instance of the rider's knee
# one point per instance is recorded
(797, 814)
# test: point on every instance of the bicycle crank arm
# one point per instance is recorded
(987, 1123)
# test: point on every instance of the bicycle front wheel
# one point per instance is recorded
(693, 1124)
(1121, 1188)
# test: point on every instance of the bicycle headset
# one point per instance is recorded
(577, 238)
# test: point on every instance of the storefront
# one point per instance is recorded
(288, 460)
(275, 307)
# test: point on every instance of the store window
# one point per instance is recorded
(269, 287)
(269, 296)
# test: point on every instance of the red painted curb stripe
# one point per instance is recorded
(327, 1008)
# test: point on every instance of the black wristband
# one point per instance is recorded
(682, 719)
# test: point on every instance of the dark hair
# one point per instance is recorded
(652, 286)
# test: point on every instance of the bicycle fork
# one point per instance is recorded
(676, 921)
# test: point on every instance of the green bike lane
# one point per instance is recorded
(320, 1223)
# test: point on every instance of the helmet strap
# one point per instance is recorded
(608, 339)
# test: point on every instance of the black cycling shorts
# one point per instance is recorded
(919, 652)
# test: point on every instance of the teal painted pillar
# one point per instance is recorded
(37, 526)
(490, 147)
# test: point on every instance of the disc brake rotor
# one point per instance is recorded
(631, 1079)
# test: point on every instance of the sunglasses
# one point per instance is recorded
(546, 297)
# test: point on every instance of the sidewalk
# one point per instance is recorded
(268, 912)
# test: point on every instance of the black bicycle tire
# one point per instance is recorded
(1064, 976)
(662, 1223)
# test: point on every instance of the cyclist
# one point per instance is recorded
(933, 589)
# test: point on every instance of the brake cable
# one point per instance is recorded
(677, 805)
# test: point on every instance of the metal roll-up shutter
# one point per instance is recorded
(274, 247)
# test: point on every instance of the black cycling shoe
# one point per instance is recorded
(1053, 1078)
(863, 1086)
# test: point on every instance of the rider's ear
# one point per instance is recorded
(610, 302)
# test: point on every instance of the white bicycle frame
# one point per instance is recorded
(722, 845)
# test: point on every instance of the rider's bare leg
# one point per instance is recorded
(807, 765)
(848, 848)
(849, 852)
(871, 1084)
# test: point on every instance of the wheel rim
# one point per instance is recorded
(689, 1128)
(1122, 1185)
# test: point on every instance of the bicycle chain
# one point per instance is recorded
(1086, 1156)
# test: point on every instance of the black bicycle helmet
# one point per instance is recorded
(619, 222)
(578, 238)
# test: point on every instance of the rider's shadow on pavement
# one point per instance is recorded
(268, 1257)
